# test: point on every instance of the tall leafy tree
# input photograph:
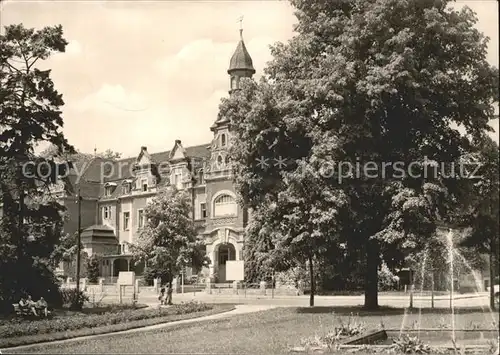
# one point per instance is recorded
(169, 242)
(30, 113)
(365, 91)
(482, 211)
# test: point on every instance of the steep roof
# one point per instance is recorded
(241, 59)
(123, 166)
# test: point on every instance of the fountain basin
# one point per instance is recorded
(443, 337)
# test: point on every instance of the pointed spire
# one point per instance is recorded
(241, 59)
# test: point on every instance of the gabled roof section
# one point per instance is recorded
(124, 167)
(144, 157)
(178, 152)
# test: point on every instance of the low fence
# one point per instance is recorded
(250, 289)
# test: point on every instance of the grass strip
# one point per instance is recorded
(106, 329)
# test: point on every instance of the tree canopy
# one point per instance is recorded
(169, 241)
(30, 113)
(363, 92)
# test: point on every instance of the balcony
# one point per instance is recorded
(200, 223)
(223, 220)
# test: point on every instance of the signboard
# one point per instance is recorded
(235, 270)
(126, 278)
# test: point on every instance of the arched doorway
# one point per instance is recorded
(120, 265)
(225, 252)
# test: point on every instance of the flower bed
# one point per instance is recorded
(17, 328)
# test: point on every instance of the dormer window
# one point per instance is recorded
(223, 140)
(108, 189)
(126, 188)
(144, 185)
(219, 160)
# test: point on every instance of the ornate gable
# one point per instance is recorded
(144, 157)
(178, 153)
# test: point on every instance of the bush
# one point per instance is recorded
(16, 328)
(387, 281)
(72, 299)
(93, 269)
(292, 277)
(410, 345)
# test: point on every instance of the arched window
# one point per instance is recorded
(225, 205)
(227, 160)
(223, 140)
(219, 161)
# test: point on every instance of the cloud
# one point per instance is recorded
(73, 47)
(113, 99)
(199, 68)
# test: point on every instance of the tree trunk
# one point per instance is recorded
(313, 283)
(492, 275)
(371, 276)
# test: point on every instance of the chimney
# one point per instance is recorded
(144, 149)
(177, 141)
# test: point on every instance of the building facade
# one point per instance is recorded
(114, 194)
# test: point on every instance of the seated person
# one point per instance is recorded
(31, 305)
(42, 306)
(23, 305)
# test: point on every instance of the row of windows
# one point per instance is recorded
(106, 215)
(224, 205)
(142, 184)
(127, 187)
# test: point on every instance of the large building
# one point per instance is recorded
(114, 194)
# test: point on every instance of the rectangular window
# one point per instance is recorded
(140, 218)
(144, 185)
(178, 180)
(126, 220)
(203, 210)
(107, 191)
(106, 212)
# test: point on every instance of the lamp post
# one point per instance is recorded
(78, 241)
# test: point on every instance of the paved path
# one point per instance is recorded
(240, 309)
(460, 301)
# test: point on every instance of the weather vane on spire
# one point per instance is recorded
(240, 20)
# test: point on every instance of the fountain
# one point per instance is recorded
(449, 239)
(447, 335)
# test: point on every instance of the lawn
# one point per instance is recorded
(267, 332)
(17, 332)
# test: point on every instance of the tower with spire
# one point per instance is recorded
(241, 65)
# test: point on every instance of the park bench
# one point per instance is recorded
(26, 311)
(21, 311)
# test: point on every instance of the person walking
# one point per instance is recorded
(169, 294)
(161, 297)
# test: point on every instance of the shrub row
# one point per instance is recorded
(79, 321)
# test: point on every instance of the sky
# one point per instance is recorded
(145, 73)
